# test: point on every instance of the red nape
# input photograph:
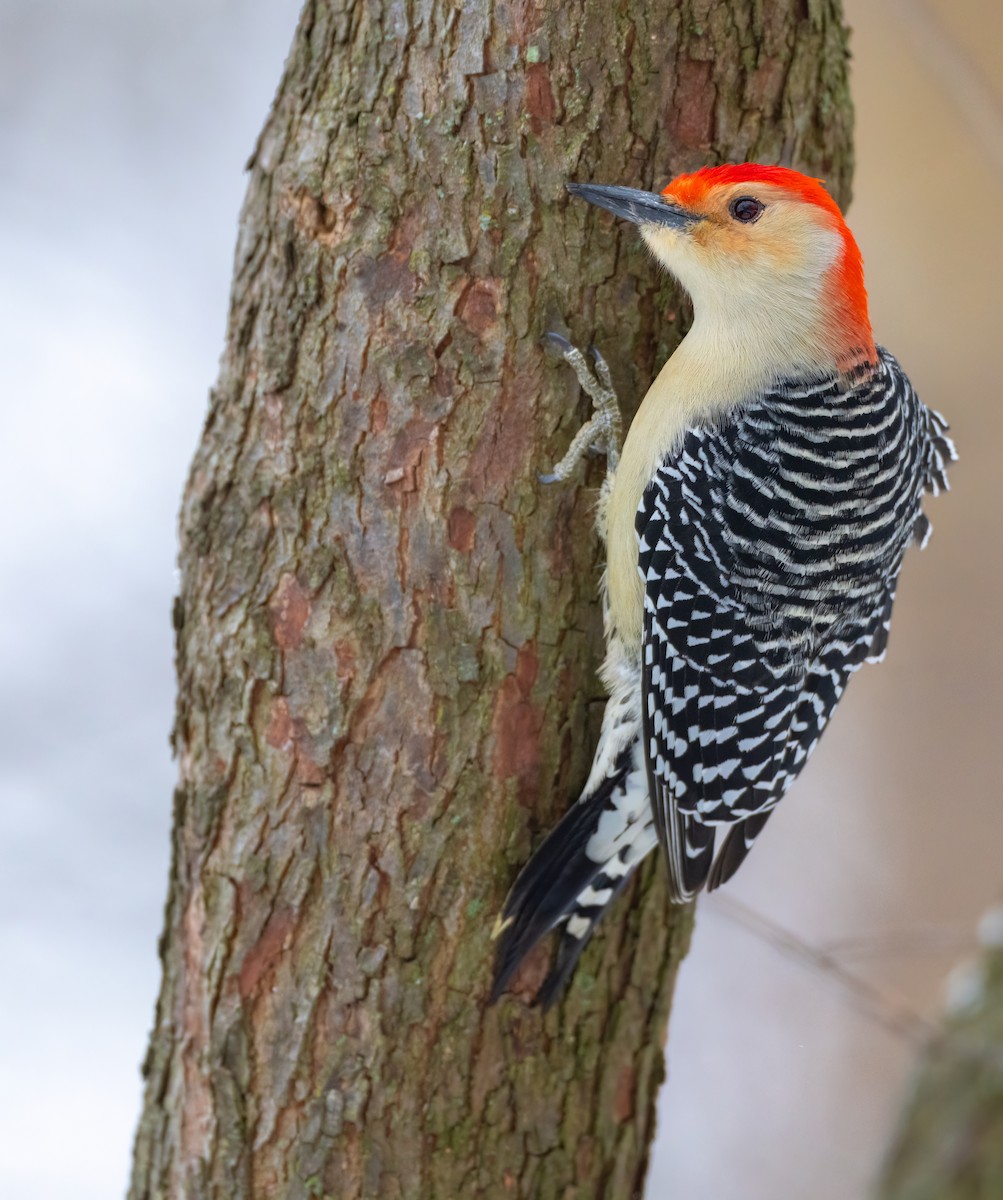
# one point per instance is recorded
(692, 189)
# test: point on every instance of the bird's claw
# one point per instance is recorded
(556, 342)
(602, 432)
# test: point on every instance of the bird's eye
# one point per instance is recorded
(746, 209)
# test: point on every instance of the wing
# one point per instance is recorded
(823, 686)
(739, 674)
(720, 687)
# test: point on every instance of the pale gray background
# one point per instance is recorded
(124, 125)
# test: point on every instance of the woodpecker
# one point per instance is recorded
(755, 522)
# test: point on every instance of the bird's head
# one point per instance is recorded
(764, 253)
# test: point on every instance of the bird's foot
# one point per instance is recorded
(603, 432)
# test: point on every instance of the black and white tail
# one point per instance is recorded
(585, 862)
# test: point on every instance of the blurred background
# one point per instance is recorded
(124, 126)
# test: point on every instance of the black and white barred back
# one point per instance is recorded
(769, 546)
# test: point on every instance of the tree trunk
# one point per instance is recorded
(950, 1144)
(388, 629)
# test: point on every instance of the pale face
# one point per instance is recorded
(774, 274)
(776, 257)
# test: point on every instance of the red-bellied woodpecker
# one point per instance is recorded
(755, 523)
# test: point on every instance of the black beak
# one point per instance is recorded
(643, 208)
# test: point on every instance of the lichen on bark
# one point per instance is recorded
(388, 631)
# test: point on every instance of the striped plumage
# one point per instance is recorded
(769, 540)
(771, 548)
(770, 570)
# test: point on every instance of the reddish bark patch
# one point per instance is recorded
(524, 18)
(462, 527)
(347, 659)
(584, 1159)
(284, 732)
(378, 416)
(623, 1099)
(444, 382)
(479, 306)
(690, 117)
(290, 611)
(280, 725)
(527, 667)
(404, 460)
(506, 439)
(539, 98)
(516, 727)
(533, 970)
(272, 431)
(265, 952)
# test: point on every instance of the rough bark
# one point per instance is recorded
(950, 1143)
(387, 630)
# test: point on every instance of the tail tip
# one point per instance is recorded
(502, 923)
